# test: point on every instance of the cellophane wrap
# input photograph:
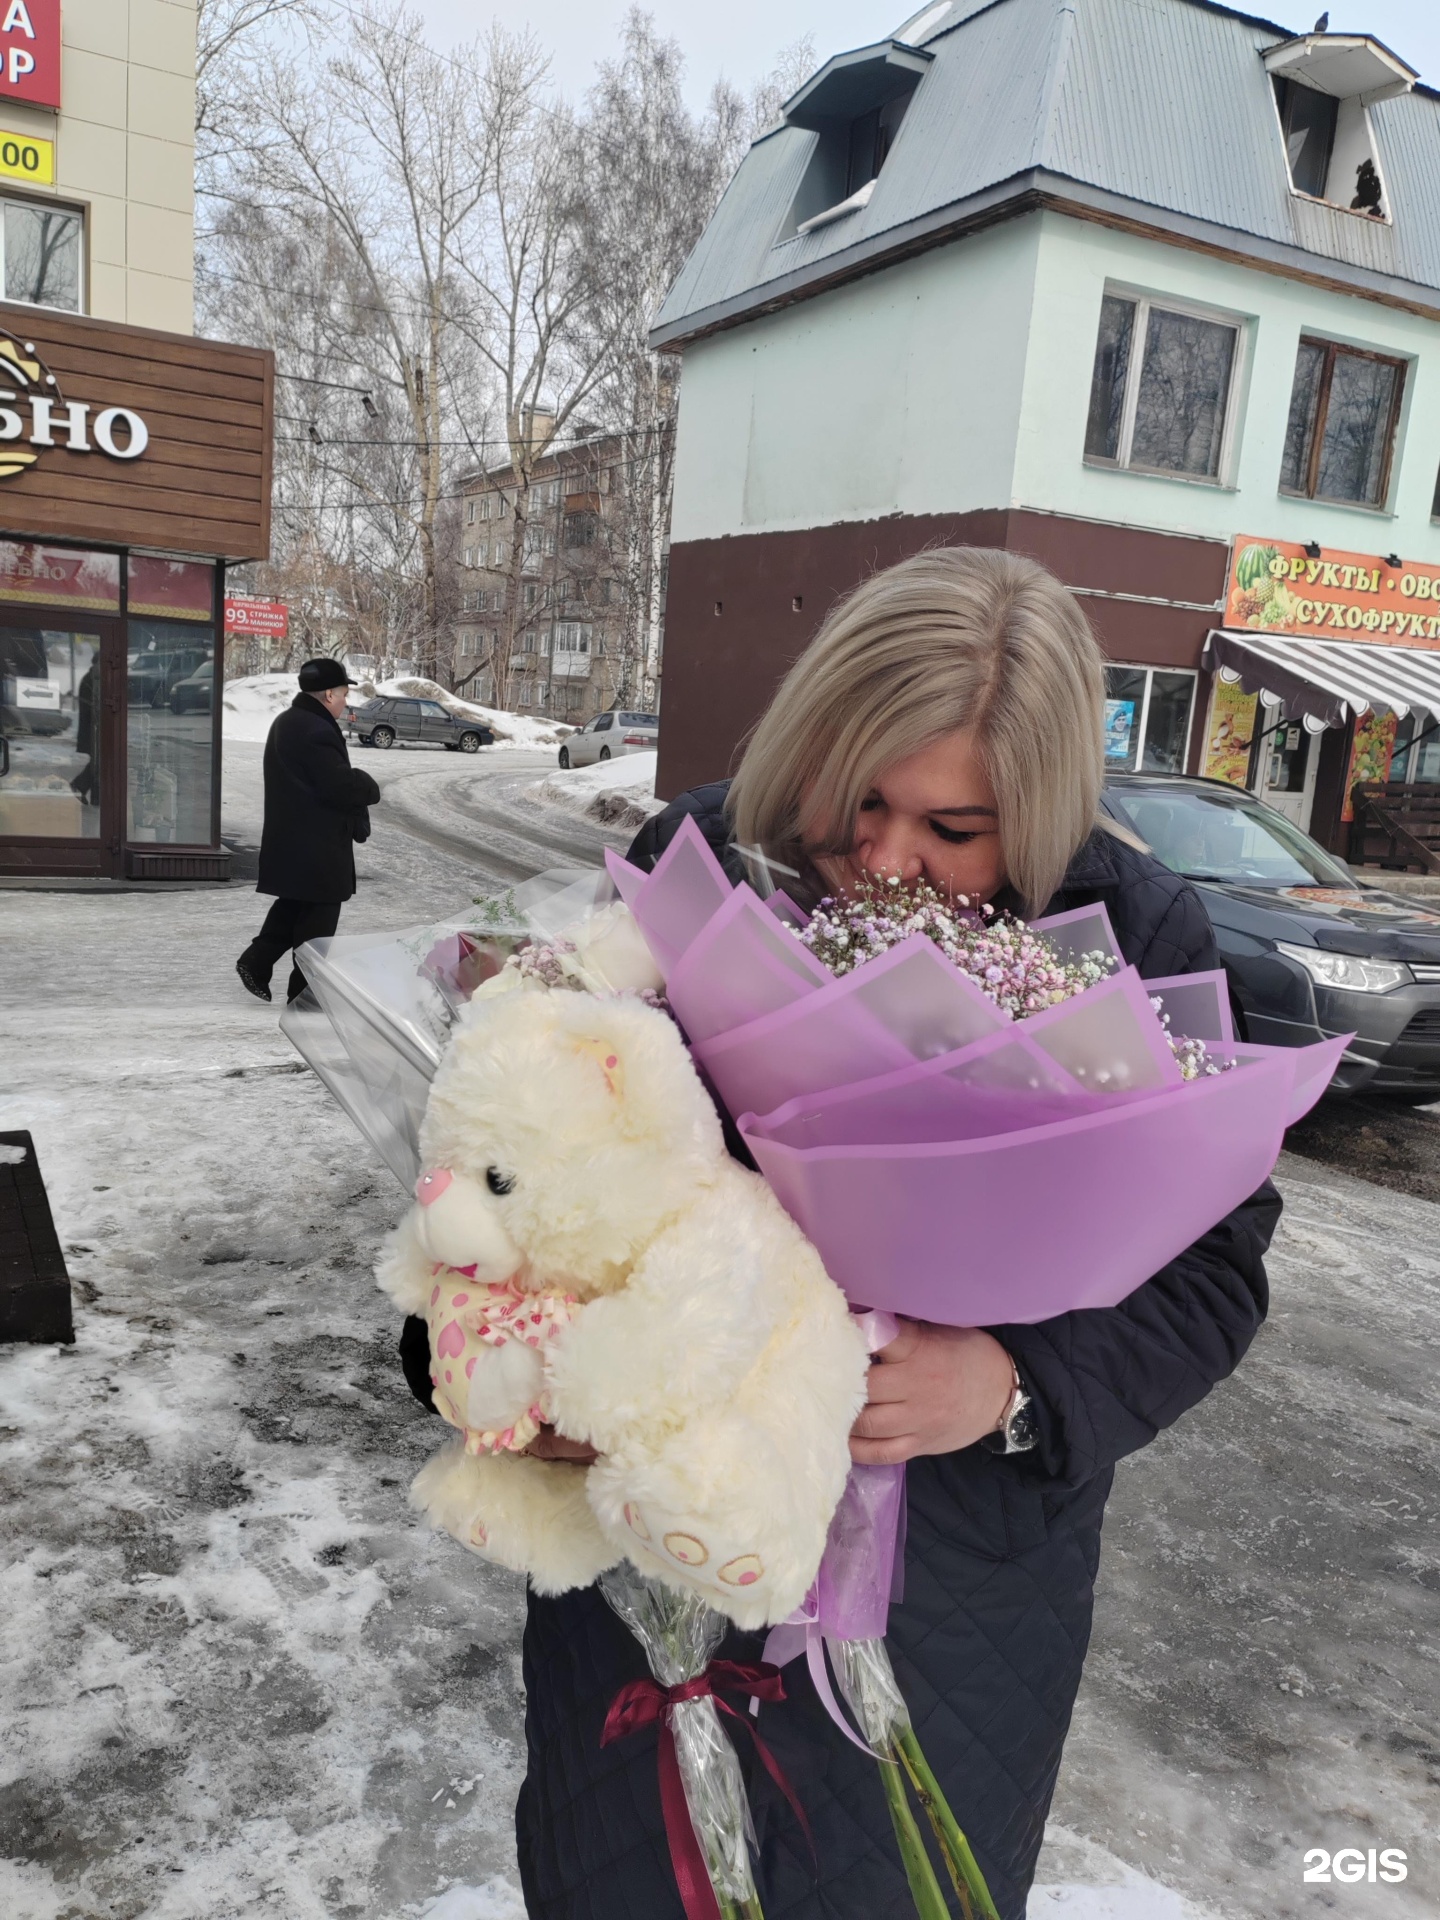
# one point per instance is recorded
(381, 1007)
(680, 1635)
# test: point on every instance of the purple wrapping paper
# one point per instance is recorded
(1035, 1222)
(947, 1162)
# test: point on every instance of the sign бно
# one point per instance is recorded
(1277, 587)
(30, 51)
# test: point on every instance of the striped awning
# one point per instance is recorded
(1328, 681)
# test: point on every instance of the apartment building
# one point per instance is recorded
(578, 618)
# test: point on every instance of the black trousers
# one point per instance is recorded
(289, 924)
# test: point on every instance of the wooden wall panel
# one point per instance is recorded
(202, 486)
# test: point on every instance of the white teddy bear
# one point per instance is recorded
(588, 1253)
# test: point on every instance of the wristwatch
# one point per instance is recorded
(1017, 1431)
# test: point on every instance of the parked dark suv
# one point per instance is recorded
(388, 722)
(1309, 949)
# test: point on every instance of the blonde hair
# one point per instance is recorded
(954, 638)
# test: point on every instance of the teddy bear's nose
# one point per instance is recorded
(432, 1184)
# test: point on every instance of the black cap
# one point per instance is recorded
(317, 675)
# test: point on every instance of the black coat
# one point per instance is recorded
(315, 807)
(1001, 1559)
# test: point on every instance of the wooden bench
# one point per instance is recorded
(1396, 825)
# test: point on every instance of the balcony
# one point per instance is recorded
(569, 666)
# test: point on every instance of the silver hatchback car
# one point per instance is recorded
(610, 736)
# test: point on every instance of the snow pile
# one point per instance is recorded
(618, 793)
(510, 729)
(248, 706)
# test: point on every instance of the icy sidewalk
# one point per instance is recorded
(236, 1677)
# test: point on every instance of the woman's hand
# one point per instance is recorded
(550, 1445)
(932, 1390)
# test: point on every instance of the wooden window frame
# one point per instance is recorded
(1332, 349)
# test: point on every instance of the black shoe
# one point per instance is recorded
(247, 980)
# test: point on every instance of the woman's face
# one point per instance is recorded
(930, 817)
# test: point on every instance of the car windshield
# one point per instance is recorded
(1217, 836)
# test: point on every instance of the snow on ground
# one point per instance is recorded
(248, 706)
(615, 792)
(251, 703)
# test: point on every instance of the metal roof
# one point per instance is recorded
(1330, 679)
(1139, 106)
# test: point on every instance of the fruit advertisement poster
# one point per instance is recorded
(1277, 587)
(1370, 756)
(1232, 727)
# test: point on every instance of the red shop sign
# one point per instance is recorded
(245, 613)
(30, 51)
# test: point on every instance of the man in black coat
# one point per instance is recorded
(316, 808)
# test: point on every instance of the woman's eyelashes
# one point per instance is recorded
(953, 836)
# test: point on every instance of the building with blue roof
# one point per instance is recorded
(1149, 289)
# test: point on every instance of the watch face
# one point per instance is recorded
(1021, 1431)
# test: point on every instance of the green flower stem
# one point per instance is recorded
(924, 1887)
(748, 1909)
(963, 1867)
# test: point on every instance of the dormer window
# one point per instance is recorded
(854, 106)
(1324, 86)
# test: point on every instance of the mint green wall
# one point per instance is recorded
(961, 380)
(1074, 261)
(899, 393)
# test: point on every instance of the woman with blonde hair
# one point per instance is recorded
(945, 724)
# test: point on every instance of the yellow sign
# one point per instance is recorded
(24, 159)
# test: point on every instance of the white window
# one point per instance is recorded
(571, 637)
(43, 250)
(470, 515)
(1161, 389)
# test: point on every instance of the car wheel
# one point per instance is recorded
(604, 753)
(383, 737)
(565, 758)
(469, 743)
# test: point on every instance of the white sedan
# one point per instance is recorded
(611, 736)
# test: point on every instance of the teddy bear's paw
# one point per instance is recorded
(752, 1571)
(531, 1516)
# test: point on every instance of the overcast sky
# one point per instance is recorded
(740, 38)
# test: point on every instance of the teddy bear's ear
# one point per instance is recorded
(607, 1058)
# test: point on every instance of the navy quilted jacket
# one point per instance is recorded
(1001, 1559)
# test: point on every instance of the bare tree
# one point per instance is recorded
(653, 174)
(229, 37)
(369, 171)
(545, 353)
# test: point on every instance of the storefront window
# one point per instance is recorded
(50, 726)
(1147, 719)
(170, 682)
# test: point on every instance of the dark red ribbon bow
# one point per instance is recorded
(645, 1703)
